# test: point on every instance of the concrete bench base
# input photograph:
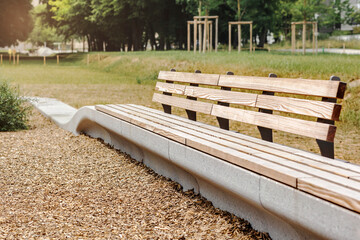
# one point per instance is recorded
(284, 212)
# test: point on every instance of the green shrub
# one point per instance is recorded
(340, 33)
(356, 30)
(13, 111)
(323, 36)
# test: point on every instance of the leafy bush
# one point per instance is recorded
(323, 36)
(356, 30)
(13, 111)
(340, 33)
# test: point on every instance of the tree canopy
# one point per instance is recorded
(115, 24)
(15, 21)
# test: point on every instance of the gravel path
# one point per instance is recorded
(54, 185)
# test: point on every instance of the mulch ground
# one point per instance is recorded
(54, 185)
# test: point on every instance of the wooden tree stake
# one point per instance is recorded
(229, 37)
(195, 35)
(206, 37)
(239, 37)
(304, 38)
(216, 33)
(211, 36)
(293, 36)
(200, 38)
(188, 37)
(239, 23)
(251, 35)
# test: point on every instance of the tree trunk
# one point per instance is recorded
(262, 37)
(168, 45)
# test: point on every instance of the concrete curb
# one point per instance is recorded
(284, 212)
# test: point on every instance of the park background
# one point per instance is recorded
(104, 72)
(57, 185)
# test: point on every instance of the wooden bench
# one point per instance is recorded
(332, 180)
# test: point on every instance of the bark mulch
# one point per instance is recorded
(54, 185)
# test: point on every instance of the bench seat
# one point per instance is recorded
(332, 180)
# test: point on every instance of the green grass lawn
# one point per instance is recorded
(130, 78)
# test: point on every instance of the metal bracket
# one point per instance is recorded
(327, 148)
(224, 123)
(266, 133)
(167, 108)
(192, 114)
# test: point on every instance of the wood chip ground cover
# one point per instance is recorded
(54, 185)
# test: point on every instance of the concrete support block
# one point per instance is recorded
(308, 214)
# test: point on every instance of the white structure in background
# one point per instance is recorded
(346, 37)
(44, 52)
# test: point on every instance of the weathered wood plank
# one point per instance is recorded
(335, 193)
(331, 192)
(183, 103)
(300, 106)
(313, 168)
(205, 79)
(275, 171)
(241, 98)
(354, 170)
(291, 105)
(297, 126)
(309, 87)
(156, 128)
(272, 170)
(170, 88)
(241, 22)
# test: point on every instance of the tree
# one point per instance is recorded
(42, 31)
(263, 13)
(72, 20)
(338, 12)
(15, 21)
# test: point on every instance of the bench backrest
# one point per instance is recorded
(263, 101)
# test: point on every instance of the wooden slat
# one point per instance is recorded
(306, 107)
(170, 88)
(156, 128)
(332, 192)
(329, 165)
(241, 98)
(297, 126)
(241, 22)
(280, 173)
(334, 162)
(300, 106)
(205, 79)
(183, 103)
(272, 170)
(319, 88)
(303, 165)
(282, 148)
